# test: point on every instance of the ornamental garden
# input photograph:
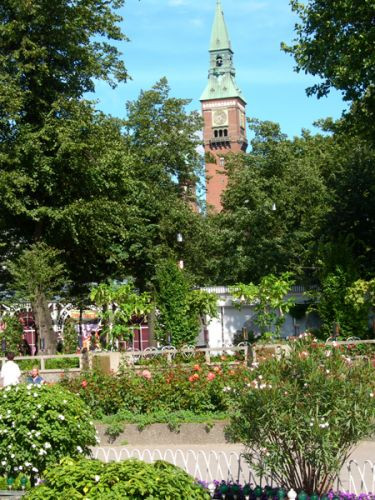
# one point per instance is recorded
(298, 416)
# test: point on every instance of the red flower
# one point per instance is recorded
(197, 368)
(211, 376)
(84, 384)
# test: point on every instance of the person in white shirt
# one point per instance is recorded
(10, 373)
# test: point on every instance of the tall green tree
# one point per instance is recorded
(335, 42)
(275, 204)
(37, 276)
(56, 175)
(162, 139)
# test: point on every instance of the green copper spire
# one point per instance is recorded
(221, 76)
(219, 36)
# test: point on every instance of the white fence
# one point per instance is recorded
(209, 466)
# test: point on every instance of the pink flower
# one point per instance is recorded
(84, 384)
(197, 368)
(146, 374)
(210, 376)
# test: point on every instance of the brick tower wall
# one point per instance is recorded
(216, 178)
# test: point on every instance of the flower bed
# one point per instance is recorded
(236, 491)
(198, 388)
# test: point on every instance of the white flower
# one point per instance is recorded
(61, 417)
(372, 394)
(34, 469)
(97, 478)
(20, 467)
(65, 401)
(39, 406)
(3, 462)
(47, 445)
(79, 449)
(35, 394)
(97, 439)
(327, 371)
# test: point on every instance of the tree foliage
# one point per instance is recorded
(180, 308)
(269, 300)
(37, 276)
(122, 308)
(335, 41)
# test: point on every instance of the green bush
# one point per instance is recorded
(198, 388)
(28, 364)
(62, 363)
(12, 335)
(70, 343)
(128, 480)
(39, 425)
(299, 417)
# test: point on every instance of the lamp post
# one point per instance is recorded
(180, 239)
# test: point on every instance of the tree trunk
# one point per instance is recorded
(43, 321)
(151, 328)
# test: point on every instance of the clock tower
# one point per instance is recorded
(223, 109)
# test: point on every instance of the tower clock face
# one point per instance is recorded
(220, 117)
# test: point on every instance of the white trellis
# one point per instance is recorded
(211, 465)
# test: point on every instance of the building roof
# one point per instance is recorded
(219, 36)
(221, 77)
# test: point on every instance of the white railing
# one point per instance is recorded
(41, 359)
(208, 466)
(132, 356)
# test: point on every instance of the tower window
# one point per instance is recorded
(225, 132)
(219, 61)
(220, 133)
(222, 161)
(215, 133)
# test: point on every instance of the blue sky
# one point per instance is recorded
(171, 37)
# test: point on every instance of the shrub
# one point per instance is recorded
(70, 343)
(62, 363)
(300, 416)
(198, 388)
(131, 479)
(12, 336)
(39, 425)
